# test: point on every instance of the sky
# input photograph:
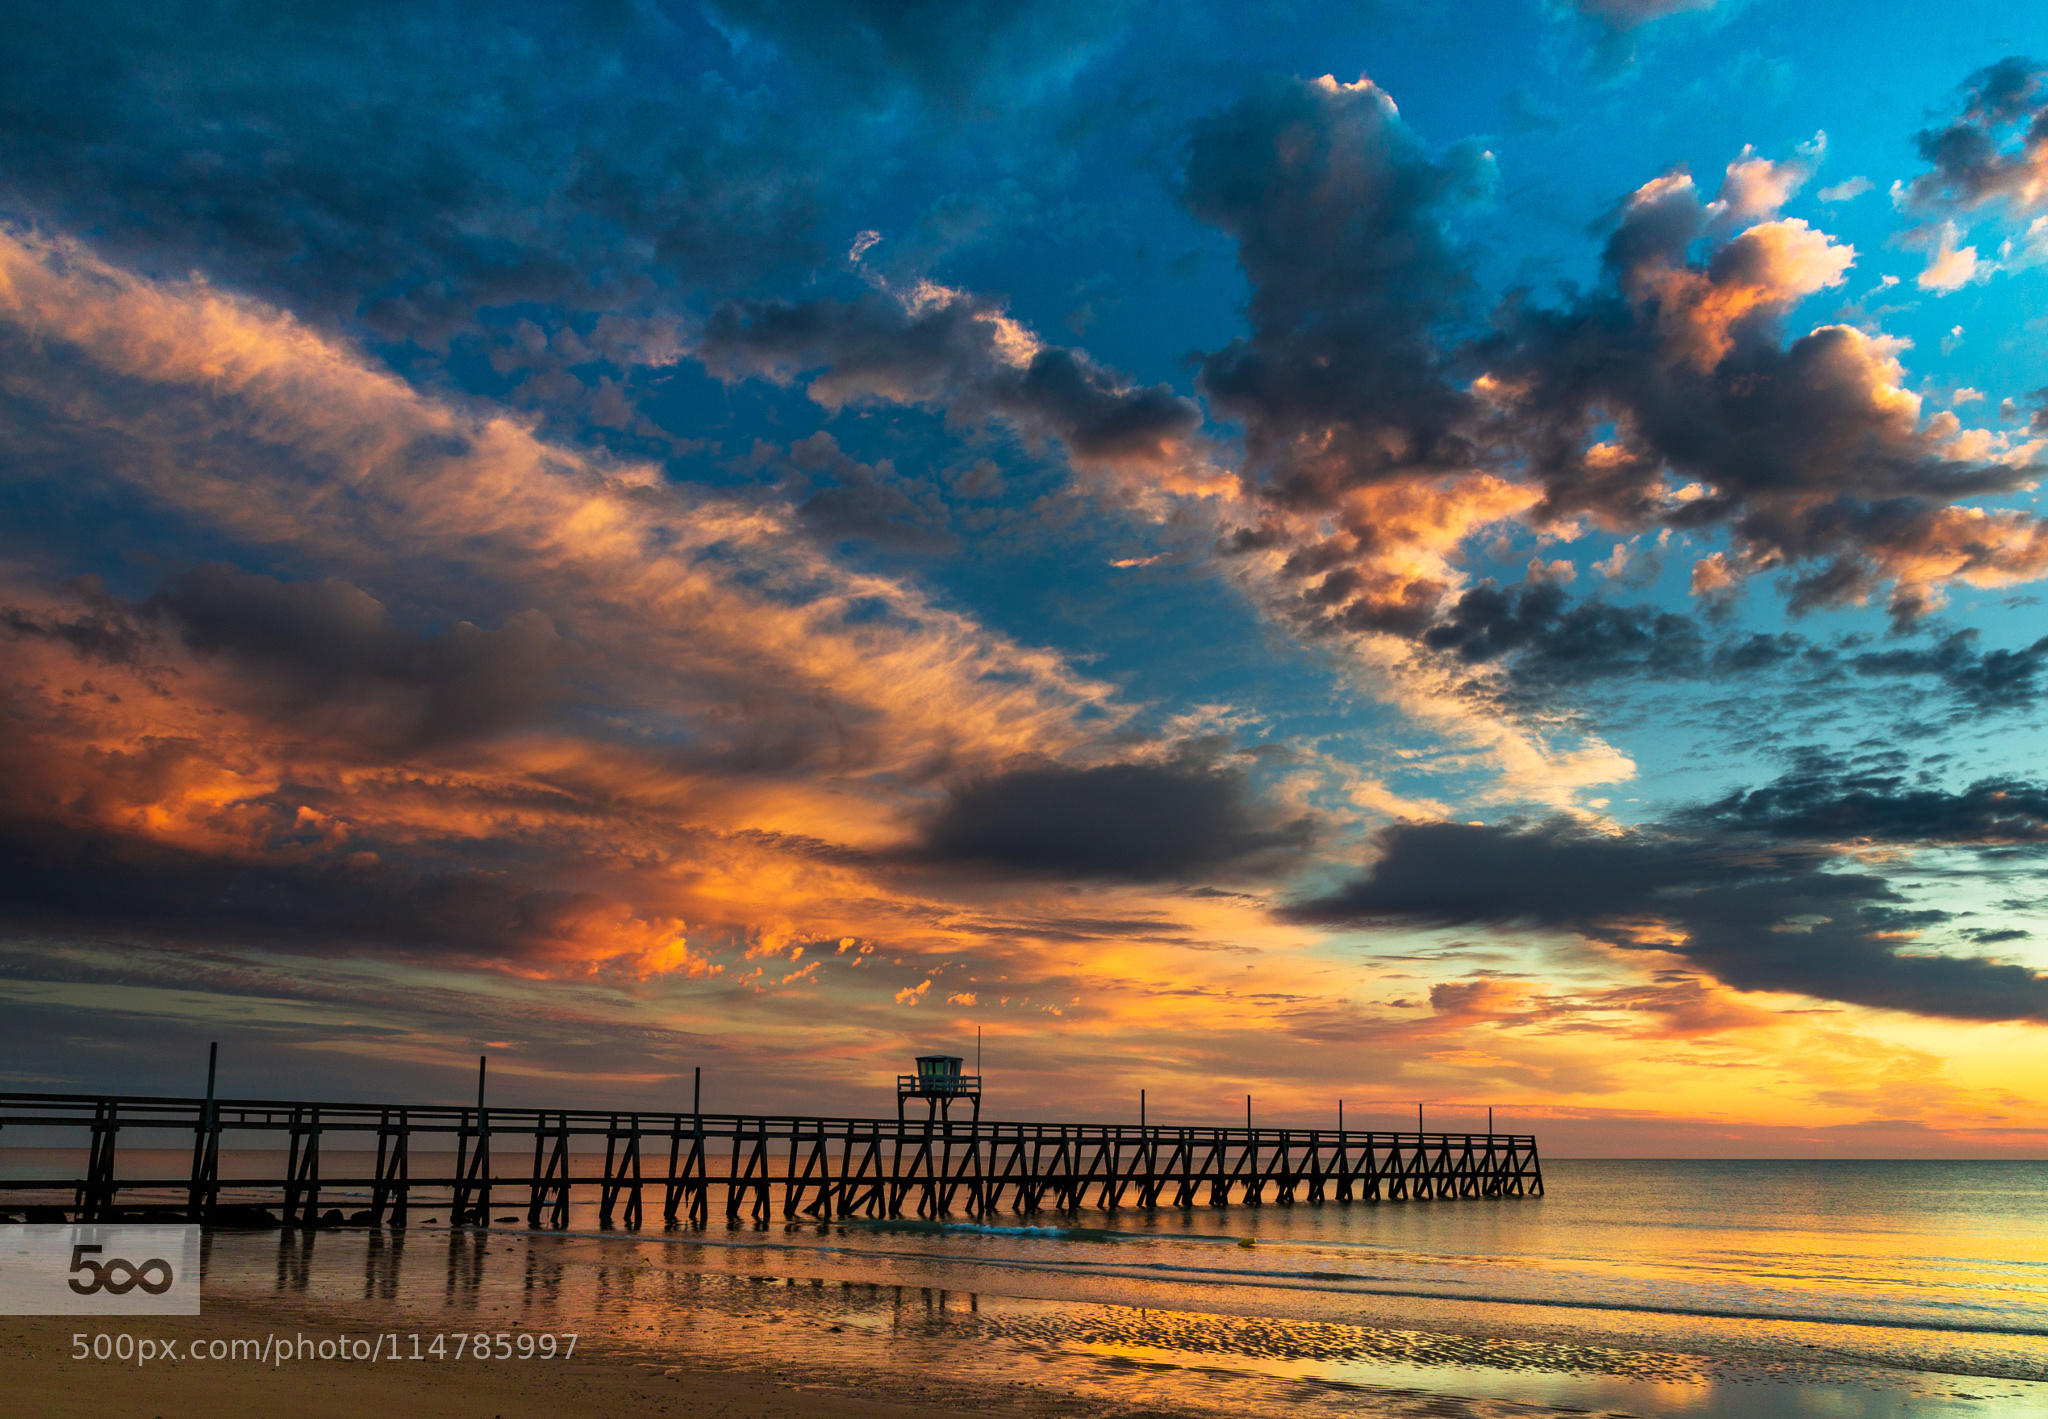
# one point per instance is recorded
(1479, 556)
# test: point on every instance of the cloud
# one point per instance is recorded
(1812, 453)
(1341, 219)
(1182, 818)
(1984, 679)
(583, 161)
(1550, 641)
(1387, 429)
(840, 498)
(1989, 161)
(1754, 278)
(943, 348)
(269, 434)
(345, 905)
(1380, 441)
(101, 628)
(1827, 801)
(326, 649)
(1365, 468)
(1385, 565)
(1757, 915)
(1995, 154)
(1754, 187)
(576, 705)
(1950, 267)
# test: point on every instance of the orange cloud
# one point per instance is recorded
(1764, 272)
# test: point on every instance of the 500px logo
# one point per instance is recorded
(104, 1279)
(99, 1269)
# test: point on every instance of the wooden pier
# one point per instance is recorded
(375, 1164)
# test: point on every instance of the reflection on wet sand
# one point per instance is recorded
(809, 1302)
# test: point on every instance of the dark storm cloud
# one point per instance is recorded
(1341, 221)
(317, 647)
(1755, 914)
(1996, 153)
(411, 164)
(1138, 822)
(948, 350)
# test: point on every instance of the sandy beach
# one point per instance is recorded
(39, 1376)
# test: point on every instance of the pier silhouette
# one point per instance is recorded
(479, 1163)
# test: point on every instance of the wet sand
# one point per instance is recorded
(39, 1377)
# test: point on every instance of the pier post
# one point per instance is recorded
(632, 1166)
(94, 1198)
(482, 1170)
(608, 1190)
(398, 1181)
(205, 1146)
(671, 1190)
(379, 1189)
(302, 1171)
(540, 1132)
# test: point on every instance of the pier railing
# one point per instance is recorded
(474, 1161)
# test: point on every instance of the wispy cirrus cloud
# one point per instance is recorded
(565, 659)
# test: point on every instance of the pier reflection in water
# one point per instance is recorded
(472, 1270)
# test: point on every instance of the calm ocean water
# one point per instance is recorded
(1695, 1288)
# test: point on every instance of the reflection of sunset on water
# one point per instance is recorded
(1642, 1292)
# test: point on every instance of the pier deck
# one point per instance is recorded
(384, 1161)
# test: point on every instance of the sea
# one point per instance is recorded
(1700, 1288)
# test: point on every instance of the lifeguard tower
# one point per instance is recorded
(938, 1082)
